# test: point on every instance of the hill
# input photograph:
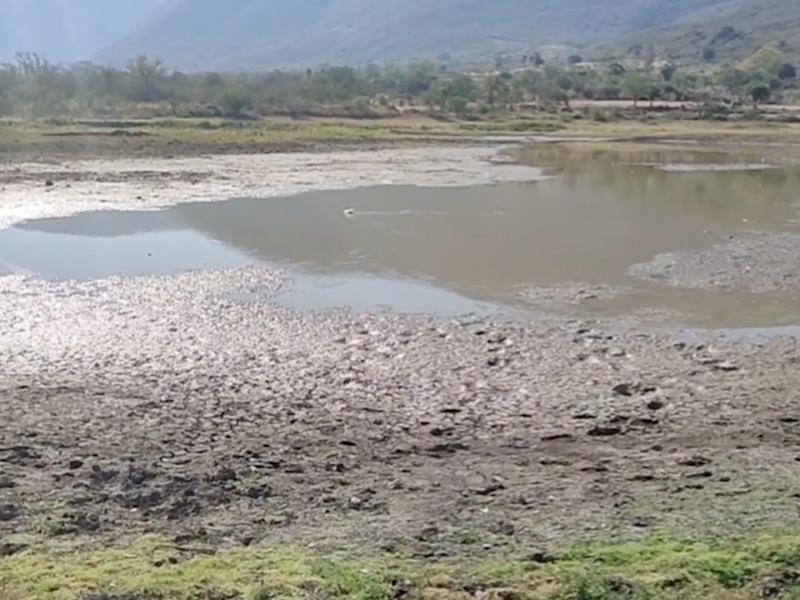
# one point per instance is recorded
(67, 30)
(219, 34)
(733, 30)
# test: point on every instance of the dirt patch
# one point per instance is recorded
(752, 261)
(153, 405)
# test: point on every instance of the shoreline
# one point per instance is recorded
(31, 190)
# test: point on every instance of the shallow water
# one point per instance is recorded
(454, 250)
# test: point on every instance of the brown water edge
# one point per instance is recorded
(738, 273)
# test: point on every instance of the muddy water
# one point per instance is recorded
(547, 243)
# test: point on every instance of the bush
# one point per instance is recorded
(599, 115)
(235, 102)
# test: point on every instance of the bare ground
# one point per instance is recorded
(153, 404)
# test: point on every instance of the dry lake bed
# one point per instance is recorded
(440, 350)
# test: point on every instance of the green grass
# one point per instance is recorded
(129, 138)
(654, 569)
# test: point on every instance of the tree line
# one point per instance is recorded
(31, 86)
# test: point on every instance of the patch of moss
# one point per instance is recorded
(148, 567)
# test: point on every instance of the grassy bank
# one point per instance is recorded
(149, 567)
(63, 139)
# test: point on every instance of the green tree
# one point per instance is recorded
(787, 71)
(637, 85)
(463, 86)
(616, 69)
(760, 93)
(235, 102)
(709, 54)
(654, 90)
(667, 71)
(146, 75)
(735, 81)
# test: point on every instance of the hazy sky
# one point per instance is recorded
(67, 30)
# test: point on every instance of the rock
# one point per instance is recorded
(10, 549)
(256, 492)
(655, 404)
(696, 460)
(6, 482)
(775, 584)
(75, 463)
(540, 557)
(552, 437)
(428, 533)
(700, 475)
(623, 389)
(726, 366)
(490, 489)
(138, 476)
(8, 512)
(641, 522)
(402, 587)
(224, 475)
(100, 476)
(49, 183)
(503, 528)
(447, 448)
(79, 522)
(604, 430)
(356, 503)
(593, 468)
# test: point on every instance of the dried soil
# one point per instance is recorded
(153, 405)
(156, 404)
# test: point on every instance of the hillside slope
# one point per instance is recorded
(733, 29)
(267, 33)
(68, 30)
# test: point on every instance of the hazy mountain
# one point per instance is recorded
(68, 30)
(733, 29)
(266, 33)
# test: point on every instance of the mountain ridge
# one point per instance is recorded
(209, 34)
(733, 29)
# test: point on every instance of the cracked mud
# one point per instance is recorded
(156, 404)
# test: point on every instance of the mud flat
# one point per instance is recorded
(151, 403)
(756, 261)
(158, 408)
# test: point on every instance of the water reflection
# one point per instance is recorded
(604, 211)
